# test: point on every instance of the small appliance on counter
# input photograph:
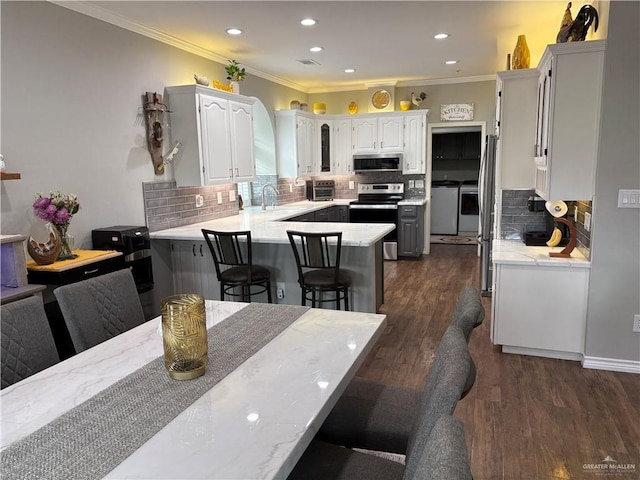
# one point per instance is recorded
(135, 244)
(321, 190)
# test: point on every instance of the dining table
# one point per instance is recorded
(274, 372)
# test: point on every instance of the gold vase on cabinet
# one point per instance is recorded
(521, 57)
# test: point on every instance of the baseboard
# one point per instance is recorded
(612, 364)
(539, 352)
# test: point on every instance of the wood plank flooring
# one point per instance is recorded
(527, 418)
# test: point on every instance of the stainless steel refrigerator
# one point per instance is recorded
(486, 199)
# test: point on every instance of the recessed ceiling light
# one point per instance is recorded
(440, 36)
(316, 49)
(451, 62)
(307, 22)
(349, 70)
(234, 31)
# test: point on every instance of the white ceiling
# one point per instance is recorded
(385, 41)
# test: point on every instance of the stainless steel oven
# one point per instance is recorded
(378, 203)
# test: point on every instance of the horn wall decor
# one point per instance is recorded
(154, 111)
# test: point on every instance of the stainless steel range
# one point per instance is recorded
(378, 203)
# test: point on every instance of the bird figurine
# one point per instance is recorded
(201, 79)
(576, 30)
(417, 99)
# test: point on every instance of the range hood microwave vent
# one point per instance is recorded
(308, 61)
(377, 162)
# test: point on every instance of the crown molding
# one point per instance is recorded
(99, 13)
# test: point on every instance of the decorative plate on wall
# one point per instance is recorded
(380, 99)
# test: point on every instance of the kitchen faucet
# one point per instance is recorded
(264, 204)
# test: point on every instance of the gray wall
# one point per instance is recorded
(614, 289)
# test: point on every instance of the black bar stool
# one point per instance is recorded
(233, 260)
(318, 261)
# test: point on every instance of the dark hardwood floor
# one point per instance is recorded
(527, 418)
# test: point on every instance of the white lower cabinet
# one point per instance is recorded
(193, 269)
(540, 310)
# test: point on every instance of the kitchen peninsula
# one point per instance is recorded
(193, 269)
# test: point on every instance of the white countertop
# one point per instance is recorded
(268, 226)
(291, 384)
(413, 201)
(515, 252)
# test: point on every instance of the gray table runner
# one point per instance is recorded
(96, 436)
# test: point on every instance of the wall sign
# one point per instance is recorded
(456, 111)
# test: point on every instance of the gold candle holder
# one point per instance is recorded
(184, 336)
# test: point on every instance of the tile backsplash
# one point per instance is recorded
(516, 219)
(168, 206)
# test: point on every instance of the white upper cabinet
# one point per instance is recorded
(378, 134)
(296, 143)
(568, 120)
(216, 131)
(342, 163)
(414, 153)
(515, 127)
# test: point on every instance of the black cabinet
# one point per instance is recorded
(456, 146)
(410, 230)
(335, 214)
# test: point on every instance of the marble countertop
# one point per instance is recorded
(413, 201)
(270, 226)
(515, 252)
(255, 423)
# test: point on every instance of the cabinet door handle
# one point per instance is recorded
(89, 272)
(193, 249)
(237, 172)
(201, 254)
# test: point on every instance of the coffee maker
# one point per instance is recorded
(539, 237)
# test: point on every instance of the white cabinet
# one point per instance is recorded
(342, 163)
(515, 127)
(193, 269)
(540, 310)
(216, 131)
(414, 153)
(568, 119)
(378, 134)
(296, 143)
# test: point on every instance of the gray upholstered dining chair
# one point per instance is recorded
(317, 258)
(377, 416)
(469, 312)
(100, 308)
(27, 342)
(233, 259)
(324, 460)
(443, 457)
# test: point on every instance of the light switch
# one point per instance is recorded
(232, 196)
(352, 184)
(219, 197)
(419, 183)
(587, 221)
(628, 198)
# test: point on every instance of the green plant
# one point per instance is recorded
(235, 73)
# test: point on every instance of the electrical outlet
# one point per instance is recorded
(199, 201)
(219, 197)
(411, 183)
(587, 221)
(232, 196)
(636, 323)
(280, 290)
(352, 184)
(291, 188)
(419, 183)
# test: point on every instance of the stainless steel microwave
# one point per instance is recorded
(377, 162)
